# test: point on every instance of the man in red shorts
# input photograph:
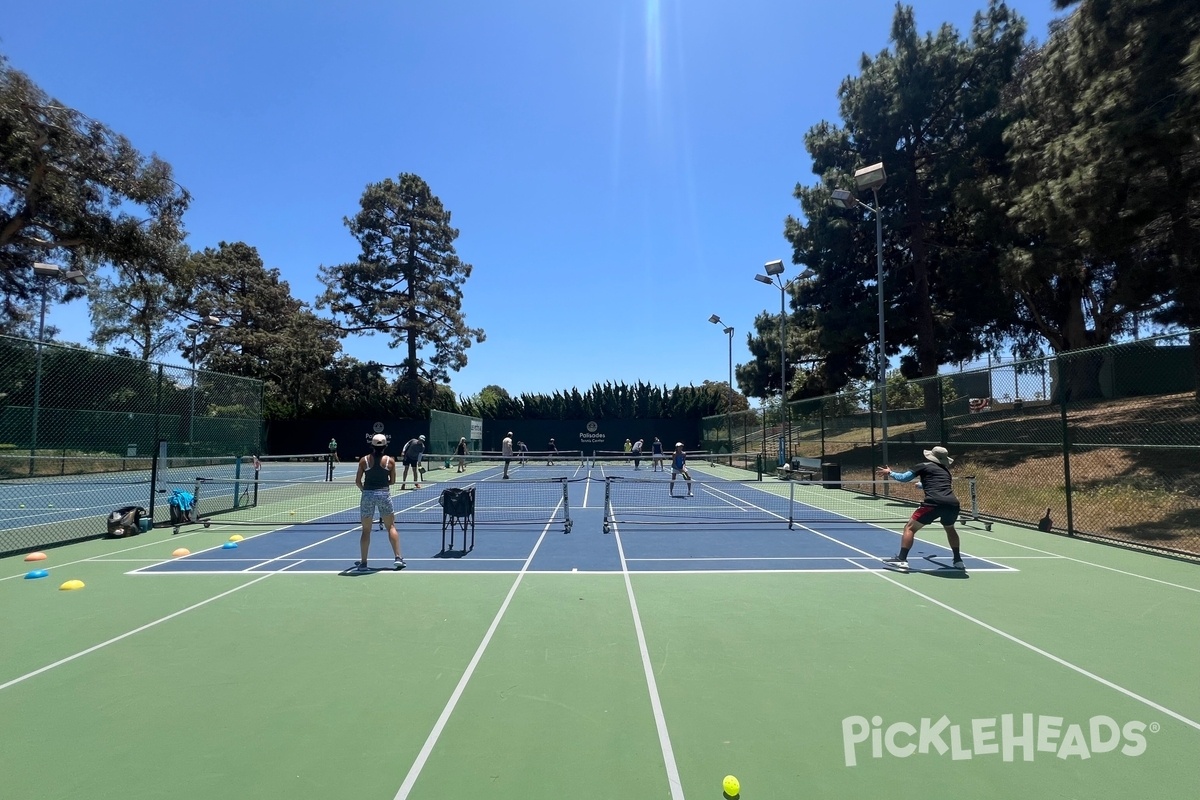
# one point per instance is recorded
(939, 503)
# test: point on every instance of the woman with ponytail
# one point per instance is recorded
(376, 474)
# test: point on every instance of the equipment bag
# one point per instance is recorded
(182, 506)
(458, 503)
(125, 521)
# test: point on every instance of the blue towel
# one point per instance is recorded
(182, 500)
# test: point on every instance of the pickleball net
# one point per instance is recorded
(275, 503)
(563, 463)
(726, 466)
(635, 501)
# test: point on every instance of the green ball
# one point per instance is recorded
(731, 786)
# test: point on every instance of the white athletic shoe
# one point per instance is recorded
(897, 563)
(958, 564)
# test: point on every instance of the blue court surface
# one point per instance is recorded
(726, 526)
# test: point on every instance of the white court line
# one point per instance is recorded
(127, 634)
(263, 563)
(409, 574)
(418, 764)
(660, 721)
(879, 560)
(1088, 563)
(790, 558)
(1034, 648)
(101, 558)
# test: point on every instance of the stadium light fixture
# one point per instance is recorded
(870, 178)
(844, 199)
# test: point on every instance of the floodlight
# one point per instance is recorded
(763, 279)
(774, 267)
(76, 277)
(870, 178)
(47, 270)
(808, 273)
(843, 199)
(714, 319)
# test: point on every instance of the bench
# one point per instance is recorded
(801, 469)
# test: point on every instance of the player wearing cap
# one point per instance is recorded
(506, 452)
(939, 503)
(679, 467)
(551, 450)
(413, 450)
(656, 454)
(376, 475)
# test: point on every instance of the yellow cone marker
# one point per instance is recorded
(237, 537)
(71, 585)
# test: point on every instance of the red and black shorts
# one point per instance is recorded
(928, 512)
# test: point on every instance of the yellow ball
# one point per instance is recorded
(731, 786)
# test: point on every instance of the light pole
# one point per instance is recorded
(774, 269)
(715, 320)
(46, 272)
(194, 331)
(872, 178)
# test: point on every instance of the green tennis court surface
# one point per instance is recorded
(649, 662)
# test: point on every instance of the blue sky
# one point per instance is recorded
(618, 169)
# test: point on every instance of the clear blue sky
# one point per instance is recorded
(619, 169)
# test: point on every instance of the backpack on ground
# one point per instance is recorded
(125, 521)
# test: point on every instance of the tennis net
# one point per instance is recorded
(660, 501)
(275, 503)
(727, 466)
(564, 462)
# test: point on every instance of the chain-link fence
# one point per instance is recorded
(66, 412)
(739, 431)
(1098, 442)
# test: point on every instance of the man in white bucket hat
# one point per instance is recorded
(939, 503)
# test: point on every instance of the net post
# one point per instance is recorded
(566, 507)
(237, 480)
(607, 502)
(974, 499)
(160, 456)
(791, 504)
